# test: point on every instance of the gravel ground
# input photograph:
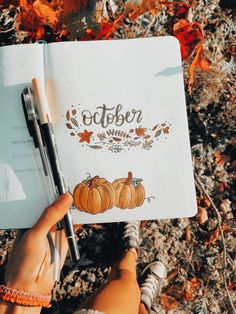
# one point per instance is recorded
(200, 252)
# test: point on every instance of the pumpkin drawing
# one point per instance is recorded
(94, 195)
(129, 191)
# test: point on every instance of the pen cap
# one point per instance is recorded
(41, 101)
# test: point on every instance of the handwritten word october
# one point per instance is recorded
(106, 116)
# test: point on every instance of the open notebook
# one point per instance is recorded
(119, 115)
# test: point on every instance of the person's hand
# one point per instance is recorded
(30, 268)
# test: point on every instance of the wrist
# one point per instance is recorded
(9, 308)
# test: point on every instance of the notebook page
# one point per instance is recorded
(23, 191)
(119, 112)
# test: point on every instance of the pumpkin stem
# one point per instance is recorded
(130, 177)
(93, 182)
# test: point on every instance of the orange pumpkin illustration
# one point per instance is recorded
(130, 192)
(94, 195)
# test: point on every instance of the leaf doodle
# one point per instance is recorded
(75, 122)
(95, 146)
(158, 133)
(68, 115)
(166, 130)
(68, 125)
(118, 133)
(116, 139)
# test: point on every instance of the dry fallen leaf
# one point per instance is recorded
(202, 215)
(207, 203)
(188, 234)
(219, 159)
(214, 236)
(225, 206)
(168, 302)
(135, 8)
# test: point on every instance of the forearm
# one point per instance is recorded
(9, 308)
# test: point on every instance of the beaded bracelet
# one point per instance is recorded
(24, 298)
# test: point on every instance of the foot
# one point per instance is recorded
(155, 274)
(131, 235)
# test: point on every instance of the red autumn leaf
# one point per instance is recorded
(73, 6)
(37, 13)
(191, 288)
(190, 36)
(203, 64)
(45, 12)
(34, 15)
(181, 10)
(230, 285)
(103, 32)
(168, 302)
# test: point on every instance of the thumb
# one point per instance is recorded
(53, 213)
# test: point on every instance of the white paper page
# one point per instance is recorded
(119, 107)
(23, 192)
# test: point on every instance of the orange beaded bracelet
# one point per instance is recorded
(24, 298)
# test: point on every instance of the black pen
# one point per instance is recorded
(49, 138)
(32, 120)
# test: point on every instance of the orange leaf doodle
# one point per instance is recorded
(85, 136)
(166, 130)
(140, 131)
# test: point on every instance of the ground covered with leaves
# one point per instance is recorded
(200, 252)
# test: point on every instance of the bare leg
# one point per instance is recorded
(121, 294)
(142, 309)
